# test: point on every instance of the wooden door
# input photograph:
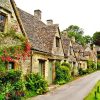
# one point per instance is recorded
(50, 76)
(42, 68)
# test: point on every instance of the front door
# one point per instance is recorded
(50, 72)
(42, 68)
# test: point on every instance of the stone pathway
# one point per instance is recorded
(75, 90)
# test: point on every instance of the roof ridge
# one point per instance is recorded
(30, 15)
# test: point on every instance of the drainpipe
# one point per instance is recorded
(31, 61)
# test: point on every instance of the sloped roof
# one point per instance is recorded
(40, 35)
(86, 53)
(5, 4)
(72, 58)
(65, 44)
(77, 47)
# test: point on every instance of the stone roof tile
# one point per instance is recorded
(40, 35)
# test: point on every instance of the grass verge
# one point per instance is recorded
(95, 93)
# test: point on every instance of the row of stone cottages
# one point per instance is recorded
(48, 45)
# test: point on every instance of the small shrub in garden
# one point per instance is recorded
(82, 72)
(89, 70)
(98, 65)
(63, 74)
(66, 64)
(91, 64)
(36, 83)
(11, 85)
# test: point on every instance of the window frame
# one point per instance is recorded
(4, 21)
(12, 65)
(57, 42)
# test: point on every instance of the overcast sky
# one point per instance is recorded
(84, 13)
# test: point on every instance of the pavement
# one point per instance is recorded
(75, 90)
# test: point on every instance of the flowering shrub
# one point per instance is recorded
(14, 52)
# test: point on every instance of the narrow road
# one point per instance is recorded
(75, 90)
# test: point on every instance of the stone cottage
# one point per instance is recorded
(91, 53)
(9, 20)
(46, 44)
(45, 39)
(79, 54)
(69, 53)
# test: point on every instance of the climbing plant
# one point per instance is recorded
(18, 47)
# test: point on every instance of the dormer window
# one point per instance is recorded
(2, 22)
(57, 42)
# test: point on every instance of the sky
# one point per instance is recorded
(83, 13)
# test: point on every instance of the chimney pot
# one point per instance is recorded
(73, 39)
(37, 14)
(50, 22)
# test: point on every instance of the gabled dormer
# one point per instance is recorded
(57, 48)
(8, 17)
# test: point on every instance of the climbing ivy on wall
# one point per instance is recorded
(13, 52)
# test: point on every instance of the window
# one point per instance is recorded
(10, 65)
(57, 42)
(2, 22)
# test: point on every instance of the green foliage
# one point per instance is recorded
(12, 33)
(90, 70)
(96, 38)
(2, 66)
(63, 74)
(75, 29)
(91, 95)
(88, 39)
(30, 93)
(82, 72)
(98, 65)
(10, 84)
(77, 32)
(98, 56)
(66, 64)
(91, 64)
(36, 83)
(91, 67)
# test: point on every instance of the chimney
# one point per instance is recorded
(73, 39)
(65, 33)
(50, 22)
(37, 14)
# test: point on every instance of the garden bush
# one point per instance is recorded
(66, 64)
(98, 65)
(11, 85)
(63, 74)
(91, 64)
(36, 83)
(82, 72)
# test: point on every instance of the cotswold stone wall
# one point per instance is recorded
(7, 40)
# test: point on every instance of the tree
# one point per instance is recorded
(96, 38)
(88, 39)
(75, 29)
(77, 32)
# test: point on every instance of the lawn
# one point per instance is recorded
(92, 95)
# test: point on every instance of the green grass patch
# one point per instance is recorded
(29, 94)
(95, 93)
